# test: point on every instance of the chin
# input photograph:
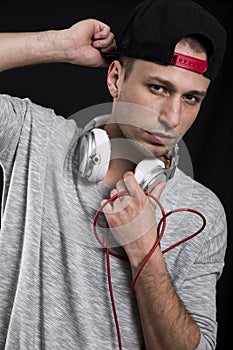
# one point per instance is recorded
(149, 150)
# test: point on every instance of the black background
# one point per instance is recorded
(68, 89)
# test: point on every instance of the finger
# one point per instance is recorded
(113, 192)
(105, 42)
(123, 200)
(157, 191)
(132, 185)
(120, 186)
(107, 208)
(102, 31)
(117, 203)
(109, 48)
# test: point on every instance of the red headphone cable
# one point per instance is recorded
(109, 252)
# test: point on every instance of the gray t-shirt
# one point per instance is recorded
(54, 292)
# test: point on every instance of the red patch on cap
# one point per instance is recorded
(188, 62)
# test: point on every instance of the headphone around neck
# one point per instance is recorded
(95, 155)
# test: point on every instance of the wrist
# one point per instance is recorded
(65, 46)
(54, 44)
(138, 250)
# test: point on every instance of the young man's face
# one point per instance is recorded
(171, 96)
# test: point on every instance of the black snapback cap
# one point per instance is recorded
(155, 27)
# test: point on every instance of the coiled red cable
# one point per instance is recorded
(160, 229)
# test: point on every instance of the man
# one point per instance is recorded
(55, 285)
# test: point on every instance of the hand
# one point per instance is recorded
(86, 40)
(132, 218)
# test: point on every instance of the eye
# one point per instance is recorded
(192, 99)
(157, 88)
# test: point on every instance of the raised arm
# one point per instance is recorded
(80, 44)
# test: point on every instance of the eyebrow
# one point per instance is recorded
(172, 87)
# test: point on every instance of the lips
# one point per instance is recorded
(160, 138)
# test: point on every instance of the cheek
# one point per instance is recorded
(136, 109)
(186, 124)
(127, 95)
(147, 107)
(133, 93)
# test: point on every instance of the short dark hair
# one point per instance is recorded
(127, 64)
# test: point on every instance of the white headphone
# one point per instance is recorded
(95, 155)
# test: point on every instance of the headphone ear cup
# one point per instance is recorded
(149, 173)
(95, 153)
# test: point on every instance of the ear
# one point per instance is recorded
(115, 77)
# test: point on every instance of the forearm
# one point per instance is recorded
(81, 44)
(165, 322)
(22, 49)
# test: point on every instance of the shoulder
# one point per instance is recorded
(25, 107)
(185, 192)
(192, 191)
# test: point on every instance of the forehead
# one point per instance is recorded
(150, 72)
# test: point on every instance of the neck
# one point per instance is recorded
(125, 155)
(116, 170)
(120, 160)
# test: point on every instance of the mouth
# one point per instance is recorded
(160, 138)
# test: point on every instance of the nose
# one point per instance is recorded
(170, 112)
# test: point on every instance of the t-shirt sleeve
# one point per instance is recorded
(200, 286)
(12, 113)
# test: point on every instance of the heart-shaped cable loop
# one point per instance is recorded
(160, 229)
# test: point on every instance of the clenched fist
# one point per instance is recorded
(86, 40)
